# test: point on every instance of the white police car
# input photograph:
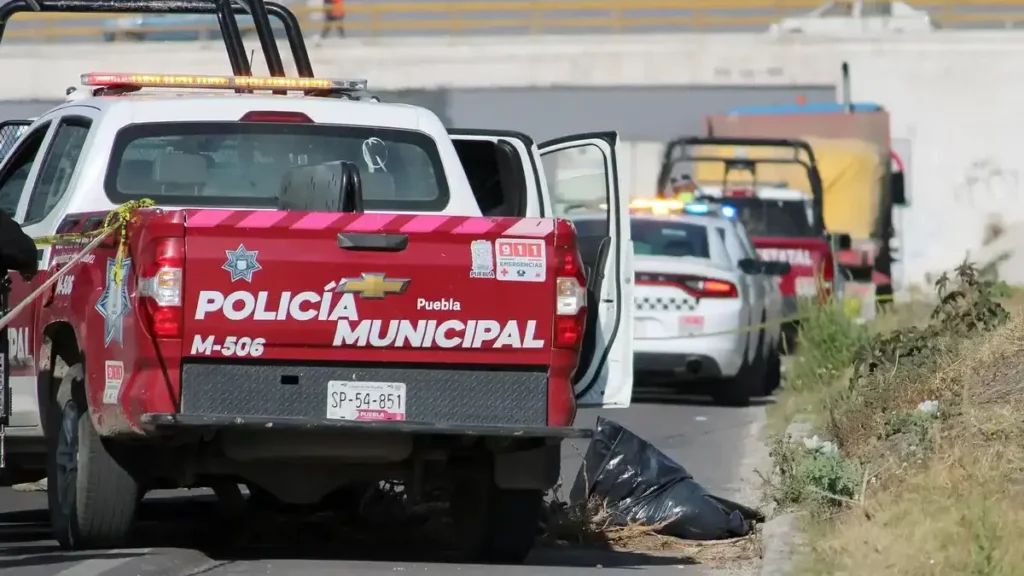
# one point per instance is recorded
(705, 308)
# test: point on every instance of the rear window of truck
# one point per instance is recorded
(774, 218)
(665, 238)
(243, 165)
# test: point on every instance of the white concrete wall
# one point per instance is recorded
(955, 97)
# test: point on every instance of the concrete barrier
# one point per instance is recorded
(954, 96)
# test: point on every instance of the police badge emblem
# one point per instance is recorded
(114, 304)
(482, 252)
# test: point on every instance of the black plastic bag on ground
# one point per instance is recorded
(639, 484)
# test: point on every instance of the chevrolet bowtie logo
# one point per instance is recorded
(372, 286)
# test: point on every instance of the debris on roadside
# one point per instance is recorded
(629, 487)
(816, 444)
(929, 407)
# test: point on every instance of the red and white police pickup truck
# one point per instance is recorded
(264, 328)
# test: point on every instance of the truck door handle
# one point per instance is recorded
(373, 242)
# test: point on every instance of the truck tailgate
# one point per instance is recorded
(368, 288)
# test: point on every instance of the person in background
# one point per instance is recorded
(18, 254)
(334, 17)
(17, 249)
(683, 189)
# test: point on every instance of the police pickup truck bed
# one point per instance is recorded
(315, 303)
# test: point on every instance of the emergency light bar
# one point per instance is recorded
(224, 82)
(702, 208)
(656, 206)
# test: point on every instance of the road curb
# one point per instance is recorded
(781, 538)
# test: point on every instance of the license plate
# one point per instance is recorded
(691, 325)
(365, 401)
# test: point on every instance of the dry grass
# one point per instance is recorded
(947, 498)
(592, 526)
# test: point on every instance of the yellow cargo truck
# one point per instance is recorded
(863, 179)
(851, 171)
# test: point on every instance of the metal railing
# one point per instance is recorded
(480, 17)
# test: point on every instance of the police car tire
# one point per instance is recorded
(773, 372)
(747, 384)
(105, 495)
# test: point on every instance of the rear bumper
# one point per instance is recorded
(169, 423)
(682, 366)
(494, 402)
(725, 350)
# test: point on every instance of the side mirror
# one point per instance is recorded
(776, 268)
(897, 191)
(751, 266)
(841, 241)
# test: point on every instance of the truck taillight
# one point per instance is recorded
(161, 286)
(828, 277)
(569, 324)
(570, 299)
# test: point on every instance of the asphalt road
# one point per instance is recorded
(720, 447)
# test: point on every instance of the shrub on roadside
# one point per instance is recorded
(873, 414)
(927, 420)
(811, 477)
(896, 371)
(829, 343)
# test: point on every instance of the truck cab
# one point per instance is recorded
(326, 291)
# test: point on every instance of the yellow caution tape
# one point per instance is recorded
(116, 220)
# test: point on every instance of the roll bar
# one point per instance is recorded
(676, 151)
(224, 9)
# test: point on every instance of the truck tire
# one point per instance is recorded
(496, 525)
(513, 526)
(773, 372)
(748, 383)
(92, 499)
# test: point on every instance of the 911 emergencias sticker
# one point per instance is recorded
(520, 260)
(115, 377)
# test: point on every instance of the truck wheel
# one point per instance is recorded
(496, 525)
(92, 499)
(513, 526)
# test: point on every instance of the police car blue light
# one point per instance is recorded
(728, 211)
(696, 208)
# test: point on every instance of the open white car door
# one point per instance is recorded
(582, 178)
